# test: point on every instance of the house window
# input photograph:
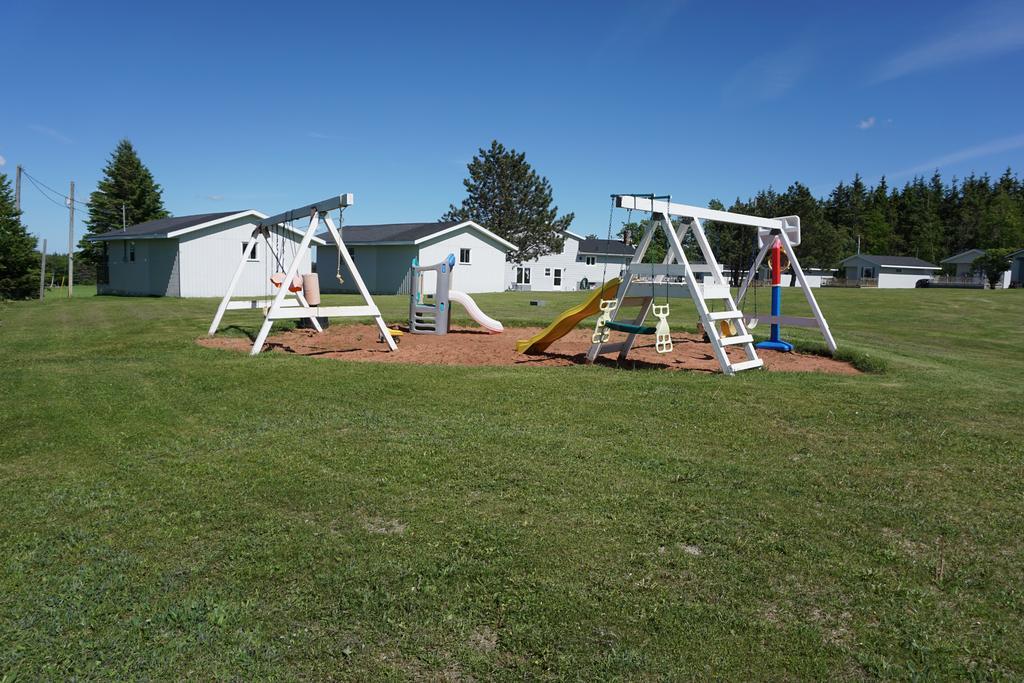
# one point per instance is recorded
(591, 260)
(558, 277)
(464, 256)
(253, 256)
(522, 276)
(547, 272)
(351, 251)
(131, 252)
(869, 273)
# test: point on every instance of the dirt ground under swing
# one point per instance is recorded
(473, 346)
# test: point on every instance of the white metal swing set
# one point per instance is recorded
(674, 277)
(290, 301)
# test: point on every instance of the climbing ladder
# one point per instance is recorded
(674, 277)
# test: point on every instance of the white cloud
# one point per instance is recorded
(50, 132)
(3, 162)
(869, 122)
(995, 30)
(215, 197)
(770, 76)
(320, 136)
(977, 152)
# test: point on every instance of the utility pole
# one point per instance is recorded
(42, 272)
(124, 220)
(71, 240)
(17, 190)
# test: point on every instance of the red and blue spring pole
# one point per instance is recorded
(775, 342)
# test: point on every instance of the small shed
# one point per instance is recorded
(383, 254)
(889, 272)
(189, 256)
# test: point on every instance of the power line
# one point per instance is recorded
(32, 180)
(93, 210)
(56, 192)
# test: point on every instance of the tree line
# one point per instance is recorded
(927, 218)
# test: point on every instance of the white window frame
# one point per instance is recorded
(522, 275)
(557, 277)
(254, 254)
(590, 260)
(547, 272)
(468, 260)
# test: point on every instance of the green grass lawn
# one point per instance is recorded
(171, 511)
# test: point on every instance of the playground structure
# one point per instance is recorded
(298, 296)
(641, 283)
(435, 318)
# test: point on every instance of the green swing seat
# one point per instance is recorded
(630, 328)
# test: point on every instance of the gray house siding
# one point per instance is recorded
(140, 267)
(385, 269)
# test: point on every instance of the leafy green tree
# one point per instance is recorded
(505, 195)
(993, 263)
(126, 183)
(822, 243)
(1002, 222)
(18, 265)
(919, 224)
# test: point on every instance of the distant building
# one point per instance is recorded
(384, 253)
(189, 256)
(583, 263)
(1017, 268)
(961, 269)
(889, 272)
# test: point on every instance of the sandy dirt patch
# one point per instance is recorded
(473, 346)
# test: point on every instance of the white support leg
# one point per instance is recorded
(697, 295)
(360, 285)
(641, 248)
(808, 294)
(293, 268)
(716, 272)
(645, 308)
(256, 234)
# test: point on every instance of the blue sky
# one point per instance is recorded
(275, 105)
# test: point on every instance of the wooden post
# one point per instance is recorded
(71, 241)
(17, 189)
(42, 272)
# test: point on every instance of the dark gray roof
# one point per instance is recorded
(897, 261)
(161, 226)
(592, 245)
(389, 232)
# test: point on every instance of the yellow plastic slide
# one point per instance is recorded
(568, 320)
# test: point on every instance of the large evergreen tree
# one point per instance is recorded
(506, 196)
(18, 269)
(126, 183)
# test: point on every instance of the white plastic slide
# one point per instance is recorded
(482, 319)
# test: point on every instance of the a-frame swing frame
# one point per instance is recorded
(785, 235)
(281, 307)
(676, 265)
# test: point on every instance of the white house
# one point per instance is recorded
(190, 256)
(962, 269)
(384, 253)
(891, 272)
(1017, 268)
(582, 263)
